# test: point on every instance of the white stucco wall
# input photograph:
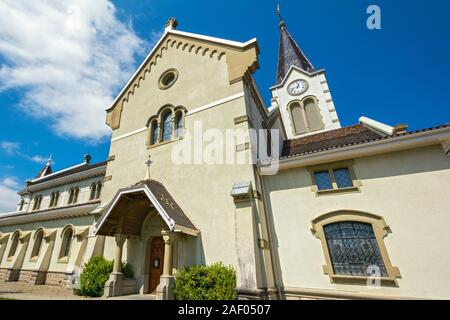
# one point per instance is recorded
(409, 189)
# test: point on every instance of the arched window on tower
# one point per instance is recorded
(167, 127)
(313, 116)
(306, 116)
(298, 119)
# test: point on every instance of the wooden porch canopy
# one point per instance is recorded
(126, 212)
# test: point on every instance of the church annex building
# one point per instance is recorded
(356, 212)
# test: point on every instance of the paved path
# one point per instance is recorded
(24, 291)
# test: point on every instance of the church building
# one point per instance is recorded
(200, 170)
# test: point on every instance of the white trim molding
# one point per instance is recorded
(384, 128)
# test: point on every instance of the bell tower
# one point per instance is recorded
(301, 91)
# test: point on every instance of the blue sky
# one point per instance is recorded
(58, 76)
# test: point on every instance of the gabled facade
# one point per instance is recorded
(326, 212)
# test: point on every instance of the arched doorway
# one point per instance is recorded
(156, 263)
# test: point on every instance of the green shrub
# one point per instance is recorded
(214, 282)
(127, 270)
(95, 274)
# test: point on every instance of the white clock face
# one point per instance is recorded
(297, 87)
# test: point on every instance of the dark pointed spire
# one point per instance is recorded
(289, 53)
(46, 170)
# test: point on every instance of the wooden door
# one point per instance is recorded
(156, 263)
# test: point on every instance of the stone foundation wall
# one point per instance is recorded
(3, 273)
(55, 279)
(32, 276)
(9, 274)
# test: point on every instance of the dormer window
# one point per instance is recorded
(73, 195)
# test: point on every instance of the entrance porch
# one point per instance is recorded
(154, 224)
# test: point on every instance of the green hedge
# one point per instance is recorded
(95, 274)
(214, 282)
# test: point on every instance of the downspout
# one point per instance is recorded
(269, 235)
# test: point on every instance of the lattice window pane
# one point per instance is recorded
(343, 178)
(167, 127)
(323, 180)
(353, 248)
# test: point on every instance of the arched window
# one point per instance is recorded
(54, 197)
(98, 191)
(354, 247)
(153, 132)
(313, 117)
(37, 244)
(73, 195)
(306, 116)
(37, 203)
(179, 124)
(21, 204)
(298, 119)
(167, 127)
(66, 243)
(96, 188)
(14, 244)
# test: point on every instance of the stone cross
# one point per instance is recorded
(149, 163)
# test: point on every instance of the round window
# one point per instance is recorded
(168, 78)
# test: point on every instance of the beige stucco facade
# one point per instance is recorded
(219, 204)
(408, 189)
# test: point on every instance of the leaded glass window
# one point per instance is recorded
(353, 248)
(154, 137)
(323, 180)
(179, 124)
(167, 127)
(343, 178)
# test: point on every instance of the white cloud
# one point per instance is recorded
(10, 148)
(70, 57)
(8, 194)
(38, 159)
(13, 149)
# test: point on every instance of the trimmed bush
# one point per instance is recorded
(95, 274)
(214, 282)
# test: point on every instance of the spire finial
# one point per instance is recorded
(49, 161)
(172, 23)
(282, 23)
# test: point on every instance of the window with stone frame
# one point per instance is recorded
(73, 195)
(14, 244)
(167, 127)
(334, 177)
(21, 204)
(54, 197)
(66, 244)
(354, 248)
(37, 203)
(96, 188)
(39, 236)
